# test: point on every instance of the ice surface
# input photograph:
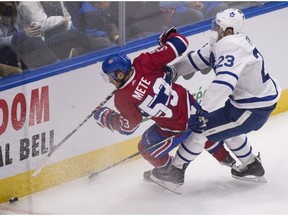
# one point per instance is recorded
(208, 189)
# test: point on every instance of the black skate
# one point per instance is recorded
(147, 175)
(253, 172)
(229, 161)
(170, 179)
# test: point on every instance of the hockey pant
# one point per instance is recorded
(227, 125)
(159, 156)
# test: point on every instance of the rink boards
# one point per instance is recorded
(37, 115)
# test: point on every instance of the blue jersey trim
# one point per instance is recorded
(178, 44)
(224, 83)
(257, 99)
(228, 73)
(202, 58)
(193, 63)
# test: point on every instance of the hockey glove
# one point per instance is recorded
(171, 72)
(103, 117)
(197, 122)
(164, 36)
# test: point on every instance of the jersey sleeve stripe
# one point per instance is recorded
(228, 73)
(178, 45)
(192, 62)
(202, 58)
(224, 83)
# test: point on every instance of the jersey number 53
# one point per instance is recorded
(156, 104)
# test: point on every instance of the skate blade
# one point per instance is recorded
(174, 188)
(255, 179)
(147, 180)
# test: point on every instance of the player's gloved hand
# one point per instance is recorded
(171, 72)
(164, 36)
(103, 117)
(197, 122)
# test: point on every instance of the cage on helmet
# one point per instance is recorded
(116, 62)
(230, 18)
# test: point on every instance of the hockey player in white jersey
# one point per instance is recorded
(242, 81)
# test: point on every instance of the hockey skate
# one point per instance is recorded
(147, 175)
(228, 161)
(253, 171)
(170, 179)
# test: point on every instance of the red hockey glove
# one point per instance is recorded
(164, 36)
(103, 117)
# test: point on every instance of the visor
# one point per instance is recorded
(106, 77)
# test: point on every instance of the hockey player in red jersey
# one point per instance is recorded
(145, 90)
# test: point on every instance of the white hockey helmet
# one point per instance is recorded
(230, 18)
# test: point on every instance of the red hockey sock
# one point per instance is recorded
(220, 154)
(156, 162)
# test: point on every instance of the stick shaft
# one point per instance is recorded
(136, 154)
(39, 168)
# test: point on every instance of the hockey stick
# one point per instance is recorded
(93, 175)
(38, 169)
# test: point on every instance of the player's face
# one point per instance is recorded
(215, 27)
(118, 81)
(219, 31)
(114, 82)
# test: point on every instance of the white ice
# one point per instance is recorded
(208, 189)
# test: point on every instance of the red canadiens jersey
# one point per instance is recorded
(149, 92)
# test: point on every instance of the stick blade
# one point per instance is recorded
(93, 175)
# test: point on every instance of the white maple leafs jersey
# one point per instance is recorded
(240, 73)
